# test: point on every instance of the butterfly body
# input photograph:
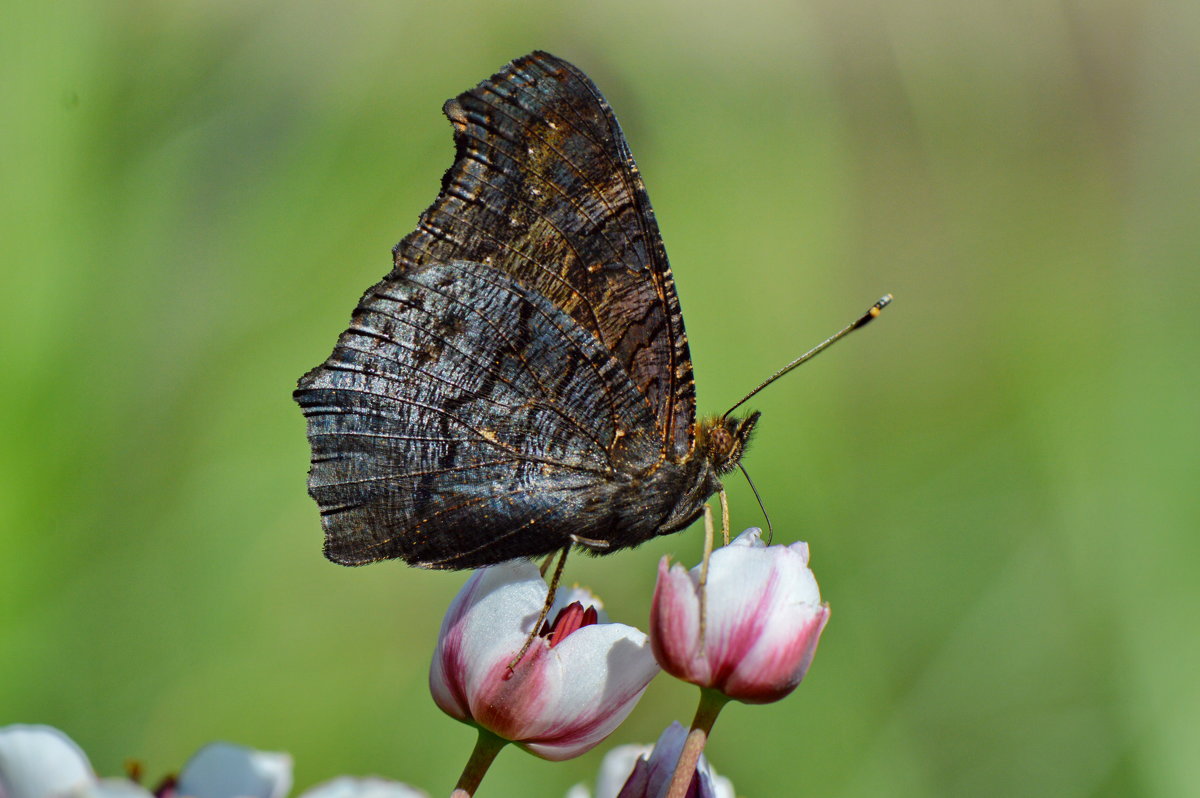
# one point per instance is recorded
(520, 381)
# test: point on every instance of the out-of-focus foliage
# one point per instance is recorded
(998, 479)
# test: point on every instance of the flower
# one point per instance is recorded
(643, 771)
(764, 618)
(580, 678)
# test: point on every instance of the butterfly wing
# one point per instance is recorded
(463, 420)
(544, 189)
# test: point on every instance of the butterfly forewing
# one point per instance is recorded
(544, 190)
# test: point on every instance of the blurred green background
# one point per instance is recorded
(998, 479)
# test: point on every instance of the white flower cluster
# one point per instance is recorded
(42, 762)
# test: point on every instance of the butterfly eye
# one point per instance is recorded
(720, 442)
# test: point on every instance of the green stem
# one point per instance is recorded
(486, 748)
(711, 703)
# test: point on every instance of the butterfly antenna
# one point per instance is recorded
(761, 506)
(861, 321)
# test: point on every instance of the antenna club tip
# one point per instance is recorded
(873, 312)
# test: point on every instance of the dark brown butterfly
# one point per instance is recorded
(520, 381)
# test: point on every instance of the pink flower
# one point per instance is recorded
(574, 686)
(764, 618)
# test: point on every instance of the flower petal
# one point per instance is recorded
(778, 661)
(675, 623)
(112, 788)
(751, 537)
(722, 787)
(478, 631)
(569, 595)
(225, 770)
(764, 618)
(366, 787)
(616, 767)
(41, 761)
(652, 775)
(594, 678)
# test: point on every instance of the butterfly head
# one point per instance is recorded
(723, 440)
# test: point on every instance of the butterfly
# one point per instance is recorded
(520, 382)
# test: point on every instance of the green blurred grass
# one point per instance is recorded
(997, 480)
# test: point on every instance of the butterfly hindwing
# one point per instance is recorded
(463, 419)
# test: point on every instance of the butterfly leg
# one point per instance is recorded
(724, 516)
(591, 543)
(541, 619)
(708, 545)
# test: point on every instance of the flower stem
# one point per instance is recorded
(711, 703)
(486, 748)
